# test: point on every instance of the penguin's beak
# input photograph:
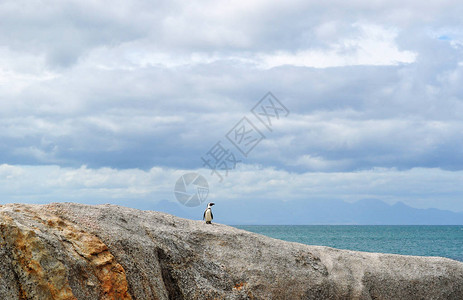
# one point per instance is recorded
(212, 204)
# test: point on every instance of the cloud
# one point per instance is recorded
(372, 46)
(350, 118)
(81, 184)
(418, 187)
(140, 86)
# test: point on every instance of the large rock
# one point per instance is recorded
(74, 251)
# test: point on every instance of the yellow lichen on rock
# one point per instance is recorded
(43, 275)
(111, 274)
(29, 252)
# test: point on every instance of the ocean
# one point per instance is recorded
(445, 241)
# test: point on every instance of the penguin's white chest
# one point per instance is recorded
(208, 215)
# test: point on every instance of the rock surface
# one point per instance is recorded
(74, 251)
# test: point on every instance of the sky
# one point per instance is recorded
(113, 101)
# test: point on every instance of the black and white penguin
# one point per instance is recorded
(208, 213)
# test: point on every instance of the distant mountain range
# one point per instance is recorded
(363, 212)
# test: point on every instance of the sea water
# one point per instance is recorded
(445, 241)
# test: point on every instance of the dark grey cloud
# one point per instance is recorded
(368, 116)
(63, 31)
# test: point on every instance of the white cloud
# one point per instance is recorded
(317, 163)
(19, 70)
(373, 45)
(417, 187)
(53, 183)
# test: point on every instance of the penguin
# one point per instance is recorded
(208, 213)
